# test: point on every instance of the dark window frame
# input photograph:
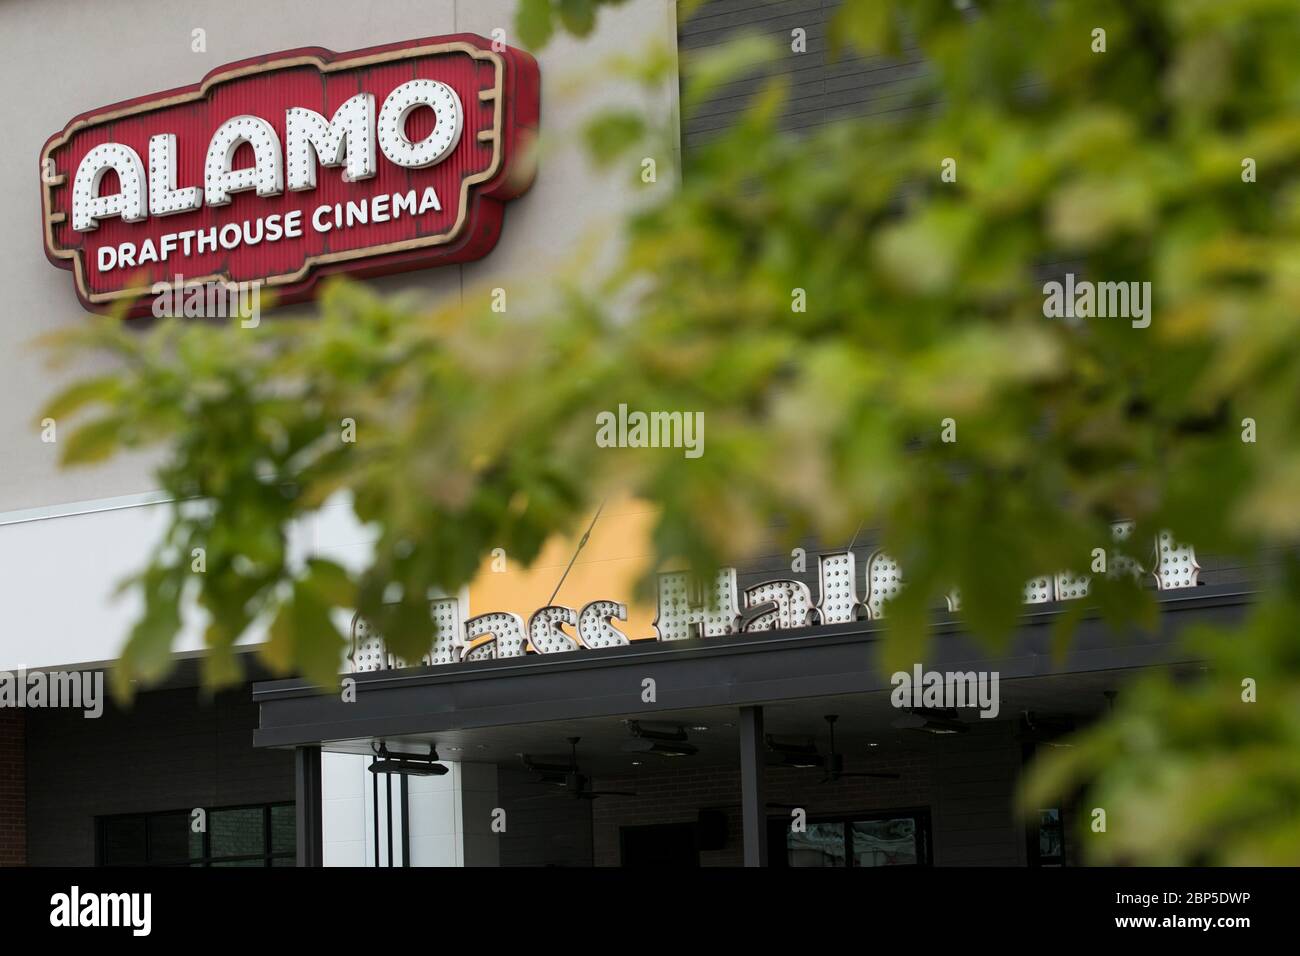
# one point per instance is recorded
(778, 850)
(1034, 825)
(267, 858)
(1036, 828)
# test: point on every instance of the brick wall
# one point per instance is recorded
(13, 789)
(172, 750)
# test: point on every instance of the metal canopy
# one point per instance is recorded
(735, 671)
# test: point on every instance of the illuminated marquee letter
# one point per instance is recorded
(88, 206)
(1038, 590)
(546, 629)
(449, 119)
(348, 138)
(595, 627)
(368, 650)
(1071, 586)
(837, 598)
(682, 615)
(884, 581)
(447, 633)
(164, 198)
(1119, 561)
(1176, 564)
(781, 605)
(266, 175)
(498, 634)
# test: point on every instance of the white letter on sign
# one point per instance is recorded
(546, 631)
(493, 635)
(164, 198)
(88, 206)
(595, 627)
(683, 614)
(265, 175)
(401, 103)
(349, 137)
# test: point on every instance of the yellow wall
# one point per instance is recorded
(616, 555)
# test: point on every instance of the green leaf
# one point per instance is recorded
(104, 388)
(533, 23)
(578, 16)
(704, 71)
(318, 645)
(331, 582)
(303, 637)
(279, 648)
(94, 441)
(147, 654)
(869, 26)
(611, 134)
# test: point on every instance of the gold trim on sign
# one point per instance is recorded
(405, 245)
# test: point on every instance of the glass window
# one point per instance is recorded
(235, 836)
(899, 838)
(1051, 838)
(169, 838)
(124, 841)
(891, 842)
(821, 845)
(239, 832)
(284, 829)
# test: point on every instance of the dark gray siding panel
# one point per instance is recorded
(821, 86)
(170, 751)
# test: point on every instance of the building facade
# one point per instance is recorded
(689, 743)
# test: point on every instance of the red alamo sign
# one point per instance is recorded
(285, 168)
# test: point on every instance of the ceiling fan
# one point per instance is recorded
(807, 755)
(1034, 727)
(932, 720)
(835, 761)
(568, 780)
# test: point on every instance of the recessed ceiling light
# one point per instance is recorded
(700, 727)
(873, 744)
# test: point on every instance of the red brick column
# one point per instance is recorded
(13, 789)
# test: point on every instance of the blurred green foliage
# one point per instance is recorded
(924, 302)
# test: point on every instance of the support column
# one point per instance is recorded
(307, 786)
(753, 786)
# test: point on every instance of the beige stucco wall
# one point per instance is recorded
(61, 57)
